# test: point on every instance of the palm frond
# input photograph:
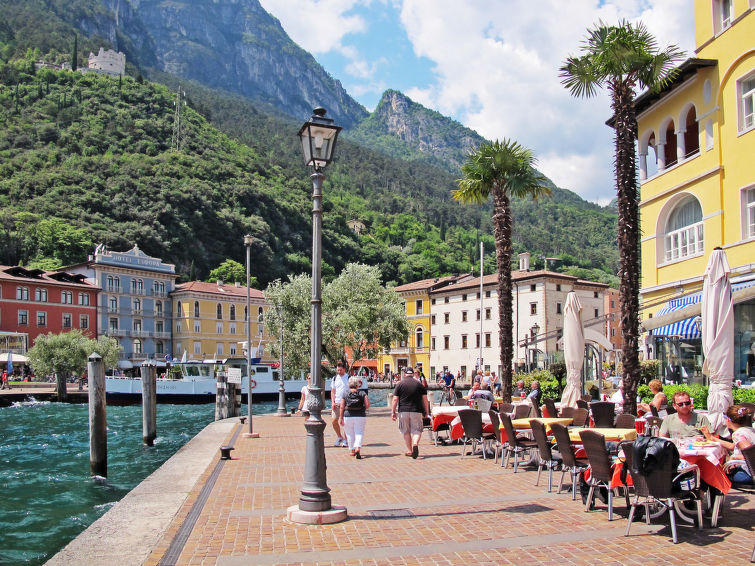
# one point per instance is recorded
(579, 75)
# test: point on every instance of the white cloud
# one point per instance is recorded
(497, 72)
(316, 25)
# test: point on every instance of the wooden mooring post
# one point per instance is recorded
(227, 400)
(97, 416)
(149, 402)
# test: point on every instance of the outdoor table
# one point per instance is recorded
(611, 434)
(524, 424)
(443, 415)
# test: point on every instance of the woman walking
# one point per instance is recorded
(354, 415)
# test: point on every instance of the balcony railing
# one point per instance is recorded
(116, 332)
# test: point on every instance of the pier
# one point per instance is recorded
(437, 509)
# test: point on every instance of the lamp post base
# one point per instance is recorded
(335, 514)
(251, 435)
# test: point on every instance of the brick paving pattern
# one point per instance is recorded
(439, 509)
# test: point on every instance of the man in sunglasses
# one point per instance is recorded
(685, 422)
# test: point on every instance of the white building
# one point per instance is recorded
(108, 62)
(461, 321)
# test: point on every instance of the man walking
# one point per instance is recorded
(339, 388)
(408, 406)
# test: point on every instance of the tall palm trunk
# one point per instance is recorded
(502, 228)
(628, 237)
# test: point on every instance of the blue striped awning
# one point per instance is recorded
(686, 329)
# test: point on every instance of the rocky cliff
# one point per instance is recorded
(407, 129)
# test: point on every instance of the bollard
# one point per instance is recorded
(149, 402)
(97, 416)
(242, 420)
(225, 452)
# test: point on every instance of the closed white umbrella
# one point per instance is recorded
(718, 335)
(574, 350)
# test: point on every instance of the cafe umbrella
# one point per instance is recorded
(574, 350)
(718, 335)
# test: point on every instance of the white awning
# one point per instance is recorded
(125, 364)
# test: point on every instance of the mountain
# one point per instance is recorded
(234, 45)
(97, 159)
(403, 128)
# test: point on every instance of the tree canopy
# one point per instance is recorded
(67, 353)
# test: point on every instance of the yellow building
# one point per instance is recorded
(415, 352)
(696, 146)
(210, 321)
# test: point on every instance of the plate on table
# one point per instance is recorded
(703, 444)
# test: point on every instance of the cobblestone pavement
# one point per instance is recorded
(438, 509)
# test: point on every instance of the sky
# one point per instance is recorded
(490, 64)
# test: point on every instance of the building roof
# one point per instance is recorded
(516, 276)
(230, 290)
(433, 283)
(20, 274)
(685, 71)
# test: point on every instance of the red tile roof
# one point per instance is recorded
(226, 290)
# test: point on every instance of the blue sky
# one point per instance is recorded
(490, 64)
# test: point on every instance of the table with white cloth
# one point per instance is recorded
(450, 415)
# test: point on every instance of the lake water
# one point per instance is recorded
(47, 496)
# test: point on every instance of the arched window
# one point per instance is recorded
(684, 230)
(196, 309)
(137, 305)
(137, 346)
(110, 283)
(232, 313)
(133, 286)
(419, 338)
(220, 311)
(159, 308)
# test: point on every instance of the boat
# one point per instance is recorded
(195, 381)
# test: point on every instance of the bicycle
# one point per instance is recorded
(449, 394)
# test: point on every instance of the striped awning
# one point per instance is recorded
(686, 329)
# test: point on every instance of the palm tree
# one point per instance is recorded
(504, 169)
(622, 58)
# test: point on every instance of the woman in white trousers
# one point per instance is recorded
(354, 415)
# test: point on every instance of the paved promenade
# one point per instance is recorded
(438, 509)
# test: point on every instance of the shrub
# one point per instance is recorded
(743, 395)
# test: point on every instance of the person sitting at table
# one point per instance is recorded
(739, 422)
(659, 399)
(475, 386)
(483, 393)
(535, 393)
(618, 398)
(685, 422)
(520, 390)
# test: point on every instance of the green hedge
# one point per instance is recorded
(698, 392)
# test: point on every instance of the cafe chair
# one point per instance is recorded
(546, 459)
(582, 404)
(748, 461)
(497, 442)
(571, 463)
(535, 409)
(471, 420)
(603, 413)
(658, 486)
(506, 408)
(550, 405)
(586, 398)
(514, 445)
(600, 467)
(581, 417)
(625, 420)
(521, 411)
(567, 412)
(654, 410)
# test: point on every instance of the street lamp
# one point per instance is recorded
(251, 434)
(318, 139)
(282, 412)
(534, 331)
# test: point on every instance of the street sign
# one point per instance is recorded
(234, 375)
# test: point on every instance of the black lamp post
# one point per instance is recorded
(248, 240)
(282, 412)
(534, 331)
(318, 138)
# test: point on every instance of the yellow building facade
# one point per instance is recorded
(210, 321)
(415, 351)
(696, 150)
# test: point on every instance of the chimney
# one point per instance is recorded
(220, 282)
(238, 284)
(524, 261)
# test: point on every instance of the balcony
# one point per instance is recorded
(140, 334)
(162, 335)
(116, 332)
